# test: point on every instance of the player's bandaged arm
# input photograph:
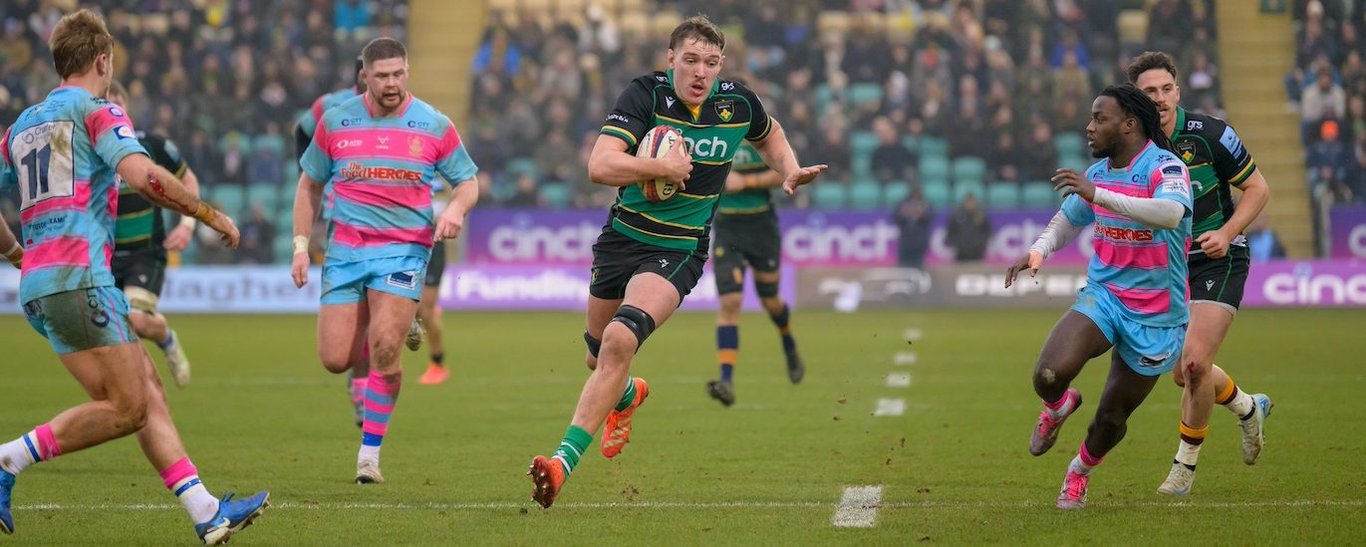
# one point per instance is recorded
(307, 201)
(162, 188)
(9, 245)
(192, 184)
(1154, 212)
(1056, 235)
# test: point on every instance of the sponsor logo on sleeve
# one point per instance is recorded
(1233, 144)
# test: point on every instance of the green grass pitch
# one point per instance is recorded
(262, 413)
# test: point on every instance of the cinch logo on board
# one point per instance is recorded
(1124, 234)
(357, 170)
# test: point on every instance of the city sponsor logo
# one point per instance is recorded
(1123, 234)
(348, 122)
(414, 124)
(357, 170)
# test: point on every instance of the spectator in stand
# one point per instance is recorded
(557, 158)
(258, 238)
(1330, 158)
(1006, 161)
(527, 194)
(913, 220)
(1169, 24)
(1262, 242)
(1041, 157)
(891, 160)
(969, 231)
(1323, 100)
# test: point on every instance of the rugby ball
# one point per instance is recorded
(658, 142)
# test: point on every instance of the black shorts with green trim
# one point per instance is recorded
(617, 258)
(741, 241)
(1219, 280)
(436, 267)
(144, 268)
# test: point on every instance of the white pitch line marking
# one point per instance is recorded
(903, 358)
(913, 334)
(741, 504)
(890, 407)
(858, 507)
(899, 379)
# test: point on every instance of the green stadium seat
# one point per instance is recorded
(933, 146)
(866, 93)
(911, 142)
(1003, 195)
(231, 198)
(823, 97)
(518, 166)
(1074, 162)
(962, 188)
(934, 168)
(865, 194)
(265, 195)
(937, 193)
(283, 246)
(970, 169)
(894, 192)
(861, 166)
(1070, 143)
(862, 142)
(829, 195)
(1038, 195)
(555, 194)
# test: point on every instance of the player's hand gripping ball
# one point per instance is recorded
(659, 142)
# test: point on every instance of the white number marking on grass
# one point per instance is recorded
(890, 407)
(904, 358)
(899, 379)
(858, 507)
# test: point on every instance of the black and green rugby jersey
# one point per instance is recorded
(1217, 159)
(747, 202)
(139, 224)
(729, 115)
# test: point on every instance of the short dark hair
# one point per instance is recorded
(697, 27)
(383, 48)
(1149, 60)
(77, 40)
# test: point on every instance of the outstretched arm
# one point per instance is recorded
(778, 155)
(162, 188)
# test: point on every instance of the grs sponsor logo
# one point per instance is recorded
(1304, 287)
(727, 86)
(1194, 125)
(1123, 234)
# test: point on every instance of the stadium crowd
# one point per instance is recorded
(923, 100)
(1328, 88)
(951, 98)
